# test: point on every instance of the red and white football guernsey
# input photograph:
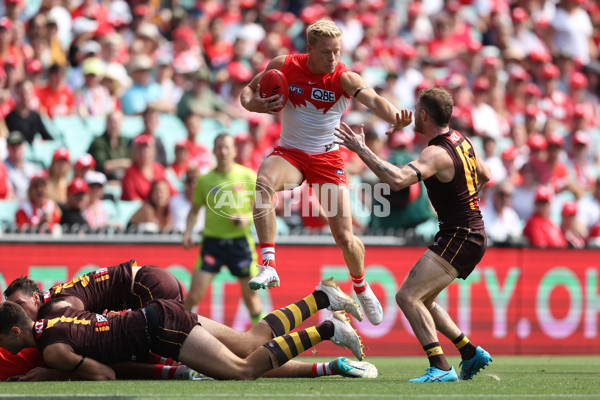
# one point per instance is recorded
(314, 108)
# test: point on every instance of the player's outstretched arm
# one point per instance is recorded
(250, 96)
(432, 160)
(61, 357)
(354, 85)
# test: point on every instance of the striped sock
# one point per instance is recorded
(284, 348)
(464, 345)
(267, 250)
(167, 371)
(156, 359)
(360, 285)
(321, 369)
(436, 356)
(285, 319)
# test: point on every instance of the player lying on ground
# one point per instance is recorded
(84, 343)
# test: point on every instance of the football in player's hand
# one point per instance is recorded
(272, 83)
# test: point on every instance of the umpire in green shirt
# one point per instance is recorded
(227, 193)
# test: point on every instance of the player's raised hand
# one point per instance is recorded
(347, 137)
(403, 119)
(267, 105)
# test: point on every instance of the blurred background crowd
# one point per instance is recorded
(110, 107)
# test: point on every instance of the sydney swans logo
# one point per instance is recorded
(237, 197)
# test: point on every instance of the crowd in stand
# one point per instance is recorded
(524, 74)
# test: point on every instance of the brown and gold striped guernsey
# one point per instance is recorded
(456, 202)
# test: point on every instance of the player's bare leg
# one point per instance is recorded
(425, 280)
(201, 280)
(335, 201)
(274, 173)
(251, 300)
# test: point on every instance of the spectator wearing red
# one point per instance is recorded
(6, 191)
(9, 52)
(515, 90)
(540, 230)
(77, 201)
(56, 98)
(144, 169)
(444, 46)
(94, 10)
(38, 211)
(553, 171)
(218, 51)
(580, 164)
(574, 231)
(7, 102)
(554, 103)
(582, 98)
(198, 154)
(59, 169)
(181, 163)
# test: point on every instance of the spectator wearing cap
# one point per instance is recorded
(201, 99)
(515, 89)
(34, 73)
(112, 151)
(508, 157)
(573, 30)
(502, 224)
(38, 211)
(153, 216)
(346, 19)
(534, 119)
(177, 169)
(23, 118)
(198, 154)
(248, 29)
(19, 170)
(492, 159)
(93, 99)
(96, 11)
(580, 163)
(188, 57)
(554, 103)
(524, 194)
(10, 54)
(144, 92)
(443, 47)
(83, 165)
(77, 201)
(95, 214)
(540, 230)
(582, 98)
(56, 98)
(151, 119)
(81, 49)
(574, 231)
(58, 172)
(143, 171)
(181, 203)
(523, 37)
(484, 117)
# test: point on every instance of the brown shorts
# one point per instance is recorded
(154, 283)
(463, 248)
(172, 327)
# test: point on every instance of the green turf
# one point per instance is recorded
(506, 378)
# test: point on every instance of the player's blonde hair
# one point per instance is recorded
(323, 28)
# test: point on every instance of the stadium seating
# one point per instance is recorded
(8, 209)
(127, 208)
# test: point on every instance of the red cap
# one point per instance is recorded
(85, 161)
(239, 72)
(481, 84)
(578, 81)
(288, 18)
(5, 23)
(312, 13)
(61, 153)
(540, 55)
(274, 16)
(400, 138)
(346, 5)
(242, 137)
(456, 81)
(141, 10)
(531, 110)
(375, 5)
(34, 66)
(13, 1)
(491, 61)
(43, 174)
(581, 137)
(579, 111)
(453, 6)
(519, 74)
(408, 51)
(569, 209)
(543, 193)
(181, 144)
(550, 71)
(143, 139)
(248, 3)
(542, 21)
(519, 14)
(537, 142)
(254, 120)
(183, 33)
(368, 19)
(77, 185)
(533, 90)
(555, 139)
(510, 152)
(414, 8)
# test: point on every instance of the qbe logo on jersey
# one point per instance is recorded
(322, 95)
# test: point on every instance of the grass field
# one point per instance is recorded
(506, 378)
